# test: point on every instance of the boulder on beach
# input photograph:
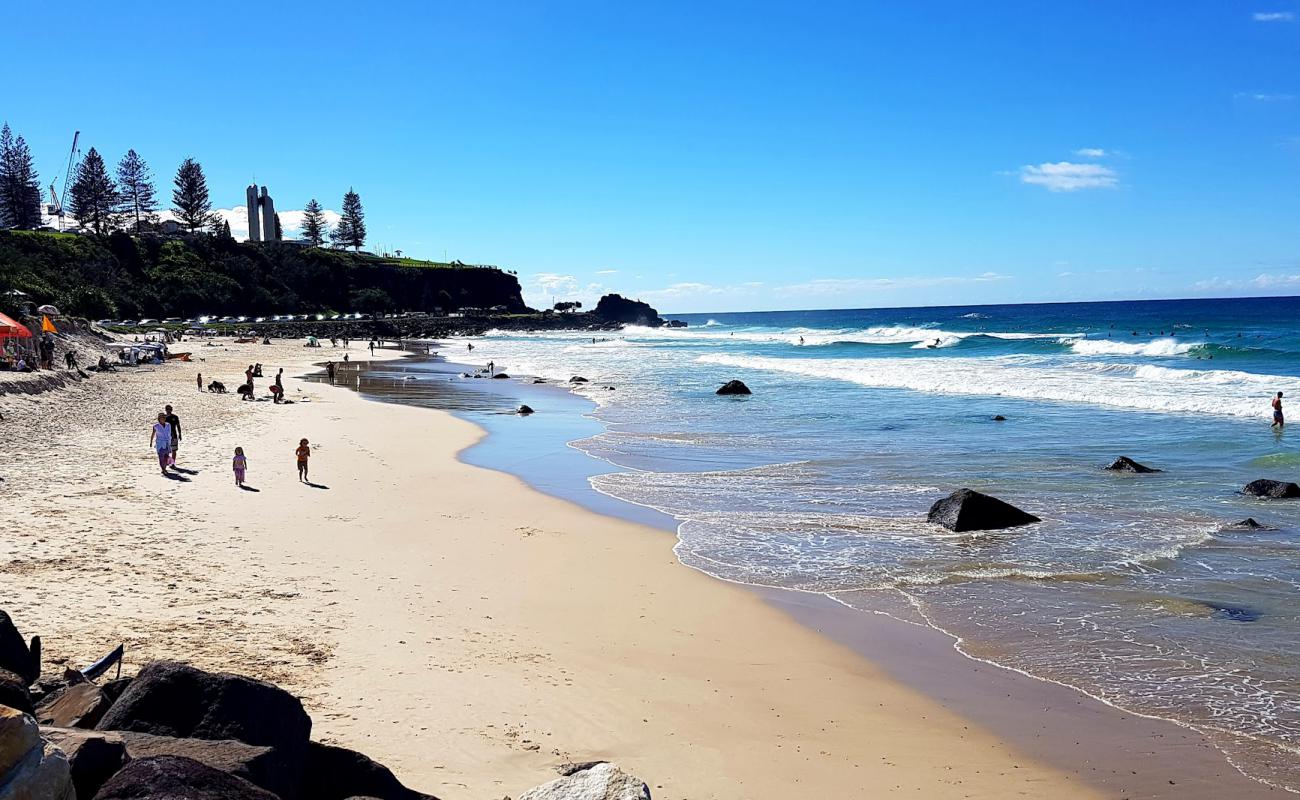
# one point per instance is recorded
(597, 781)
(168, 698)
(13, 692)
(80, 705)
(524, 410)
(969, 510)
(539, 380)
(256, 764)
(578, 379)
(1126, 464)
(336, 773)
(500, 376)
(93, 756)
(177, 778)
(1269, 488)
(16, 655)
(734, 387)
(30, 767)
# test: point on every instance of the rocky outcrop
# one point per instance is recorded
(168, 698)
(93, 756)
(595, 781)
(617, 308)
(16, 655)
(578, 379)
(256, 764)
(501, 376)
(524, 410)
(1126, 464)
(734, 387)
(1269, 488)
(969, 510)
(13, 692)
(1248, 524)
(177, 778)
(335, 773)
(30, 767)
(81, 705)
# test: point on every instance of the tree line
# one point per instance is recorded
(126, 199)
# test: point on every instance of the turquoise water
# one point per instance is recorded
(1132, 589)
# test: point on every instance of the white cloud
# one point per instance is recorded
(835, 286)
(1064, 176)
(237, 217)
(1274, 16)
(606, 272)
(1265, 281)
(1265, 97)
(1090, 152)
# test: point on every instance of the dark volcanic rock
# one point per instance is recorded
(676, 323)
(617, 308)
(1250, 524)
(15, 655)
(254, 763)
(500, 376)
(999, 418)
(524, 410)
(176, 778)
(81, 705)
(1267, 488)
(13, 692)
(578, 379)
(94, 756)
(1126, 464)
(969, 510)
(334, 773)
(734, 387)
(168, 698)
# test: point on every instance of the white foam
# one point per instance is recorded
(1110, 347)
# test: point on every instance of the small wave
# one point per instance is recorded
(975, 315)
(1110, 347)
(713, 323)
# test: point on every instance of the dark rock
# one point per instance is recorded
(256, 764)
(176, 778)
(969, 510)
(617, 308)
(1126, 464)
(1250, 524)
(999, 418)
(81, 705)
(168, 698)
(94, 756)
(500, 376)
(114, 689)
(676, 323)
(578, 379)
(1267, 488)
(15, 654)
(734, 387)
(539, 380)
(13, 692)
(525, 410)
(335, 773)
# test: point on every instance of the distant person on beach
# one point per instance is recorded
(345, 358)
(470, 346)
(329, 368)
(372, 347)
(279, 378)
(174, 422)
(303, 453)
(160, 441)
(492, 365)
(240, 464)
(1278, 420)
(199, 381)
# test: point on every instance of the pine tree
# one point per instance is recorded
(341, 236)
(314, 227)
(279, 231)
(136, 190)
(354, 221)
(20, 194)
(224, 233)
(190, 197)
(94, 195)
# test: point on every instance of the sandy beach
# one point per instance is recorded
(462, 628)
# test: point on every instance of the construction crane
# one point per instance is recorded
(59, 201)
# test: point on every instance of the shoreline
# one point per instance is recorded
(471, 640)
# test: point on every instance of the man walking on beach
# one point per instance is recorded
(174, 443)
(1278, 420)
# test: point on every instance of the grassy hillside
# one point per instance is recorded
(152, 276)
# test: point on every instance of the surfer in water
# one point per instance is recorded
(1278, 421)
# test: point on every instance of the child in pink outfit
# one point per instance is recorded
(240, 464)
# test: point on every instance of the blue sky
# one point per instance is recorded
(725, 155)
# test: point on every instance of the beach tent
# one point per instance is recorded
(12, 329)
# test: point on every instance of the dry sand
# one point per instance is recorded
(462, 628)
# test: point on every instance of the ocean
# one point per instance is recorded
(1135, 589)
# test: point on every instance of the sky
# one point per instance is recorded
(721, 156)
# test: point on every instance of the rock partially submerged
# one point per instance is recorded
(1249, 524)
(999, 418)
(578, 379)
(1126, 464)
(969, 510)
(1269, 488)
(596, 781)
(524, 410)
(734, 387)
(500, 376)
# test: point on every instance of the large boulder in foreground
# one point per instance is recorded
(1126, 464)
(176, 778)
(599, 781)
(81, 705)
(15, 654)
(734, 387)
(94, 756)
(256, 764)
(168, 698)
(1267, 488)
(969, 510)
(335, 773)
(30, 767)
(14, 693)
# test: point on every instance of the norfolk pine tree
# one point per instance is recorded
(190, 199)
(20, 194)
(136, 190)
(94, 195)
(354, 221)
(314, 227)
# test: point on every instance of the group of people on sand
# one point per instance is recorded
(165, 438)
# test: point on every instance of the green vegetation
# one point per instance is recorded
(124, 276)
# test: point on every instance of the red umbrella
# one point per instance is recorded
(10, 327)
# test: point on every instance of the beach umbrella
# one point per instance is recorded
(11, 328)
(47, 309)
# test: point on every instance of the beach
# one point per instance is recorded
(472, 633)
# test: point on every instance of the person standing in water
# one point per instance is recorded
(1278, 420)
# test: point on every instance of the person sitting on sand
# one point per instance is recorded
(240, 464)
(303, 453)
(1278, 420)
(160, 441)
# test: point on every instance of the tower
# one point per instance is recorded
(254, 222)
(268, 217)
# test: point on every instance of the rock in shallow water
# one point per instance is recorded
(1269, 488)
(734, 387)
(969, 510)
(1126, 464)
(524, 410)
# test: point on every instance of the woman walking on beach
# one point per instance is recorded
(303, 453)
(240, 464)
(160, 438)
